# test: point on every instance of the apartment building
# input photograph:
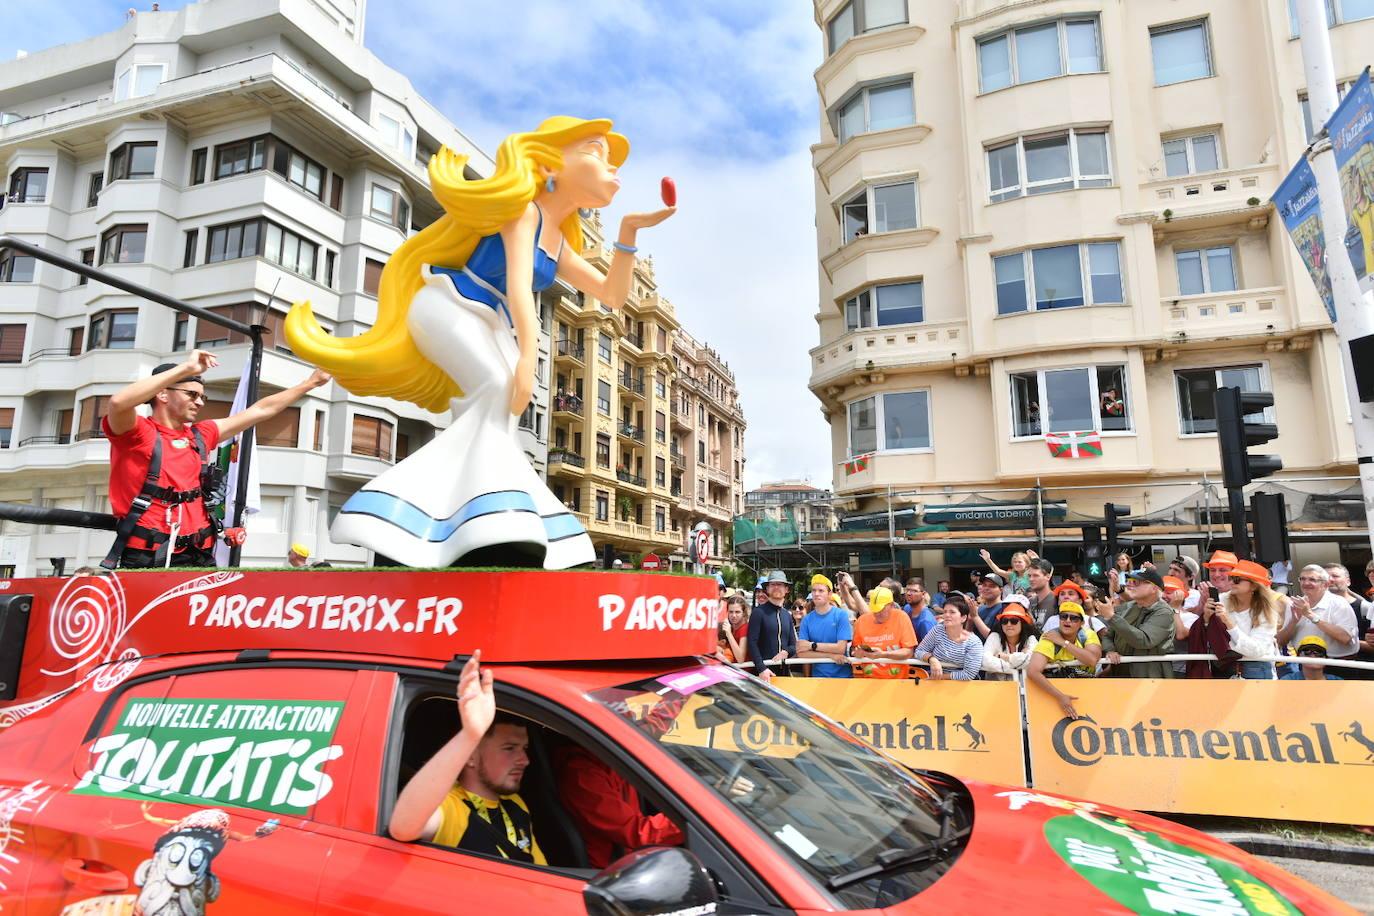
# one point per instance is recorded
(808, 508)
(1051, 216)
(239, 156)
(707, 446)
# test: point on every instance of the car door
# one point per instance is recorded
(201, 789)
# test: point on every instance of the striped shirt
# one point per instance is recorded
(961, 660)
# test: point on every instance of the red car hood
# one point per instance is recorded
(1044, 853)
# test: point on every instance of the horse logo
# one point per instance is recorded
(1356, 733)
(976, 739)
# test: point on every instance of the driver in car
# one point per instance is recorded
(607, 808)
(465, 796)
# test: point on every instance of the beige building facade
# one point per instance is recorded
(1052, 216)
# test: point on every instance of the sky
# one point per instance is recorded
(718, 94)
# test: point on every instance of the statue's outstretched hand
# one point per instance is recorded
(645, 220)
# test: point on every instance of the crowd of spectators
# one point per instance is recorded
(1236, 614)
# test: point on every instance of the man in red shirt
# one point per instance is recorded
(175, 517)
(606, 808)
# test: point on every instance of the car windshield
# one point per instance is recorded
(836, 806)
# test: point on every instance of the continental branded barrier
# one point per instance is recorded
(1280, 749)
(970, 729)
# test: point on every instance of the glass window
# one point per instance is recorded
(891, 106)
(1197, 391)
(122, 85)
(1094, 170)
(603, 346)
(390, 129)
(1104, 268)
(1037, 53)
(146, 79)
(852, 118)
(894, 207)
(1069, 397)
(93, 190)
(1084, 54)
(1180, 53)
(841, 27)
(123, 245)
(29, 186)
(1025, 402)
(603, 397)
(863, 427)
(1189, 155)
(1111, 399)
(1004, 172)
(906, 420)
(900, 303)
(383, 203)
(16, 268)
(859, 311)
(855, 216)
(123, 327)
(994, 63)
(1352, 10)
(1058, 277)
(1205, 270)
(1048, 165)
(1010, 271)
(1073, 400)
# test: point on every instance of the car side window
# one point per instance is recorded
(272, 739)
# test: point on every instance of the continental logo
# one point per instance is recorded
(758, 734)
(1083, 742)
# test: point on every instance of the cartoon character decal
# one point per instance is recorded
(177, 880)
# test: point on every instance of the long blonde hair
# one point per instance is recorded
(384, 361)
(1264, 606)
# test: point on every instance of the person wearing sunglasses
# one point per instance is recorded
(1071, 650)
(1251, 615)
(1144, 625)
(1317, 612)
(1009, 649)
(156, 462)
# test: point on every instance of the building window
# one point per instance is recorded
(29, 186)
(12, 342)
(138, 81)
(899, 421)
(1337, 12)
(329, 259)
(876, 108)
(1191, 155)
(87, 258)
(179, 335)
(1061, 276)
(264, 238)
(318, 444)
(1197, 412)
(701, 451)
(124, 245)
(257, 153)
(76, 338)
(296, 254)
(1181, 52)
(603, 506)
(372, 276)
(1039, 52)
(660, 472)
(1092, 398)
(209, 334)
(603, 346)
(16, 268)
(282, 430)
(603, 450)
(240, 158)
(1046, 163)
(389, 207)
(860, 16)
(371, 437)
(336, 184)
(660, 519)
(896, 303)
(133, 160)
(1206, 270)
(881, 208)
(660, 426)
(112, 330)
(188, 255)
(198, 160)
(97, 180)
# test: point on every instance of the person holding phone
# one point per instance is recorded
(1251, 614)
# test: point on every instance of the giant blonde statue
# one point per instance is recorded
(457, 329)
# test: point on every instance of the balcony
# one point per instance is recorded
(1184, 203)
(1212, 316)
(634, 480)
(569, 349)
(631, 384)
(681, 417)
(634, 340)
(871, 350)
(630, 431)
(563, 456)
(567, 404)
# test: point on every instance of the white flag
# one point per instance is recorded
(254, 501)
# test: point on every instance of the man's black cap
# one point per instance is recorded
(163, 367)
(1148, 574)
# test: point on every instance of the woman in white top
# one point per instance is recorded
(1008, 648)
(1251, 614)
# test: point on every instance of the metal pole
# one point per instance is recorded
(246, 439)
(1039, 517)
(1354, 310)
(891, 534)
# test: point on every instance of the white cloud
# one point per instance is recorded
(718, 95)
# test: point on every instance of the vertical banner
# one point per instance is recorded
(229, 456)
(969, 729)
(1351, 130)
(1296, 201)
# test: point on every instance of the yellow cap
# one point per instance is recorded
(1071, 607)
(1312, 641)
(879, 598)
(300, 550)
(818, 579)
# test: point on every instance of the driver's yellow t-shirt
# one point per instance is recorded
(454, 814)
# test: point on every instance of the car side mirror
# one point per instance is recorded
(659, 879)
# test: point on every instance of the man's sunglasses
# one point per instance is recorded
(196, 396)
(1064, 617)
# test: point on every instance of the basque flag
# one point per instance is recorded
(1086, 444)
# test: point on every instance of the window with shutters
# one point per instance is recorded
(91, 410)
(12, 342)
(336, 184)
(402, 446)
(65, 419)
(216, 410)
(212, 335)
(372, 276)
(283, 430)
(371, 437)
(76, 338)
(6, 425)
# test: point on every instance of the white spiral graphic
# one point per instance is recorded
(86, 619)
(117, 671)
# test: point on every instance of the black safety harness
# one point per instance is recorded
(211, 486)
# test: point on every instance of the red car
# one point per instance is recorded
(177, 742)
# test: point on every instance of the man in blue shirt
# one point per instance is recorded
(917, 607)
(989, 604)
(942, 589)
(825, 631)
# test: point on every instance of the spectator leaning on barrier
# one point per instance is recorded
(1072, 650)
(772, 640)
(825, 632)
(1251, 614)
(1176, 595)
(1144, 625)
(1073, 592)
(954, 653)
(1340, 587)
(1317, 612)
(1311, 647)
(734, 632)
(884, 633)
(1009, 650)
(989, 604)
(917, 607)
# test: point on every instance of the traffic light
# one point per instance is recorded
(1236, 434)
(1116, 526)
(1269, 516)
(1093, 566)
